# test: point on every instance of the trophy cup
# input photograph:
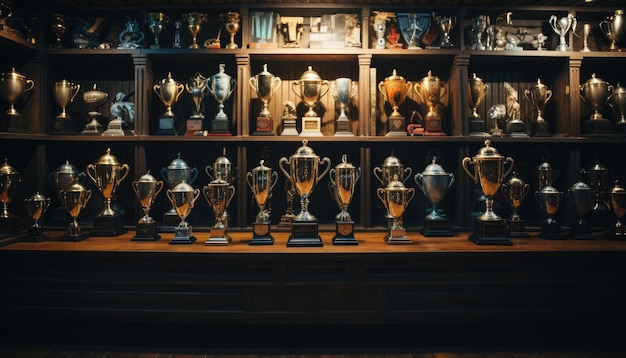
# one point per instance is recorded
(304, 174)
(12, 86)
(342, 90)
(394, 90)
(223, 169)
(478, 27)
(9, 178)
(581, 196)
(391, 167)
(218, 193)
(549, 199)
(515, 190)
(232, 26)
(538, 95)
(107, 173)
(561, 26)
(175, 173)
(221, 86)
(429, 91)
(261, 181)
(434, 183)
(168, 91)
(598, 178)
(617, 101)
(64, 93)
(310, 88)
(36, 206)
(445, 24)
(60, 179)
(58, 25)
(613, 27)
(194, 24)
(264, 84)
(618, 203)
(94, 99)
(196, 87)
(146, 189)
(595, 92)
(156, 23)
(396, 197)
(343, 178)
(183, 196)
(75, 198)
(546, 175)
(489, 169)
(477, 90)
(586, 33)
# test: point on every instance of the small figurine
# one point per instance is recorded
(131, 36)
(512, 103)
(87, 32)
(123, 110)
(178, 24)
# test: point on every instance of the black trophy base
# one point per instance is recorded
(35, 234)
(261, 235)
(517, 228)
(9, 224)
(551, 231)
(304, 234)
(146, 232)
(543, 130)
(167, 126)
(516, 129)
(344, 234)
(66, 125)
(436, 228)
(582, 231)
(477, 128)
(170, 222)
(108, 226)
(490, 233)
(12, 123)
(74, 238)
(600, 126)
(220, 127)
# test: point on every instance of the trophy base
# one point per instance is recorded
(12, 123)
(311, 127)
(93, 128)
(616, 233)
(343, 127)
(477, 128)
(397, 127)
(551, 231)
(581, 231)
(436, 228)
(516, 129)
(304, 234)
(220, 127)
(114, 129)
(261, 234)
(516, 228)
(600, 126)
(8, 225)
(344, 234)
(218, 237)
(170, 221)
(73, 238)
(289, 128)
(194, 127)
(146, 232)
(397, 237)
(432, 126)
(490, 233)
(286, 219)
(264, 126)
(65, 125)
(167, 126)
(108, 226)
(183, 236)
(35, 234)
(497, 132)
(543, 130)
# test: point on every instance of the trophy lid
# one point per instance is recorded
(515, 181)
(395, 184)
(617, 189)
(539, 84)
(598, 167)
(430, 77)
(595, 80)
(310, 75)
(66, 168)
(177, 164)
(183, 187)
(394, 76)
(75, 187)
(222, 160)
(544, 166)
(579, 186)
(488, 152)
(6, 169)
(218, 181)
(392, 161)
(265, 72)
(261, 167)
(305, 151)
(14, 74)
(344, 163)
(549, 190)
(619, 89)
(434, 168)
(108, 159)
(147, 178)
(37, 197)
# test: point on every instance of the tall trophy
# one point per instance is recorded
(232, 26)
(392, 167)
(343, 90)
(538, 95)
(395, 196)
(261, 181)
(488, 171)
(515, 127)
(196, 87)
(9, 178)
(434, 183)
(218, 193)
(549, 199)
(176, 172)
(59, 24)
(221, 86)
(94, 99)
(146, 189)
(586, 33)
(36, 206)
(618, 203)
(13, 85)
(595, 92)
(599, 179)
(581, 196)
(60, 179)
(168, 91)
(546, 175)
(304, 174)
(477, 90)
(194, 24)
(156, 23)
(265, 84)
(107, 173)
(394, 89)
(613, 27)
(515, 190)
(429, 91)
(64, 93)
(343, 178)
(617, 101)
(75, 198)
(561, 25)
(445, 25)
(379, 24)
(310, 88)
(183, 196)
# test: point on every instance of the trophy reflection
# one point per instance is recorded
(595, 92)
(64, 94)
(561, 25)
(196, 87)
(221, 86)
(75, 198)
(156, 23)
(343, 178)
(343, 90)
(613, 28)
(549, 199)
(13, 85)
(429, 91)
(395, 196)
(36, 206)
(515, 190)
(183, 196)
(581, 196)
(477, 90)
(618, 203)
(394, 89)
(538, 95)
(176, 172)
(194, 25)
(434, 183)
(218, 193)
(310, 88)
(146, 189)
(265, 84)
(261, 181)
(168, 91)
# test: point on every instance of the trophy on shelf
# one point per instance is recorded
(379, 23)
(586, 33)
(131, 36)
(94, 99)
(304, 174)
(107, 173)
(479, 26)
(261, 181)
(183, 196)
(194, 25)
(488, 171)
(515, 190)
(220, 86)
(343, 178)
(477, 90)
(196, 87)
(74, 198)
(310, 88)
(36, 206)
(595, 92)
(156, 24)
(618, 203)
(60, 179)
(168, 91)
(391, 167)
(9, 178)
(64, 93)
(617, 101)
(232, 26)
(395, 196)
(13, 85)
(581, 196)
(598, 178)
(546, 175)
(434, 183)
(218, 193)
(343, 90)
(549, 199)
(515, 127)
(265, 84)
(223, 169)
(613, 27)
(561, 25)
(538, 95)
(429, 91)
(146, 189)
(413, 27)
(59, 24)
(176, 172)
(289, 119)
(394, 89)
(445, 25)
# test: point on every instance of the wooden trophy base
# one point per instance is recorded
(218, 237)
(432, 126)
(108, 226)
(516, 228)
(35, 234)
(582, 231)
(344, 233)
(261, 234)
(304, 234)
(477, 128)
(551, 231)
(264, 127)
(64, 125)
(599, 126)
(183, 236)
(436, 228)
(289, 128)
(12, 123)
(490, 233)
(146, 232)
(543, 130)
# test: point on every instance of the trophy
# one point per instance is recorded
(168, 91)
(221, 86)
(613, 27)
(477, 90)
(304, 174)
(581, 196)
(392, 167)
(595, 92)
(107, 173)
(60, 179)
(183, 196)
(598, 178)
(146, 189)
(74, 198)
(546, 175)
(261, 181)
(586, 33)
(264, 84)
(538, 95)
(617, 101)
(549, 199)
(394, 90)
(478, 27)
(196, 87)
(36, 206)
(618, 203)
(12, 86)
(343, 178)
(396, 197)
(222, 169)
(59, 24)
(9, 178)
(379, 23)
(232, 26)
(429, 91)
(175, 173)
(445, 25)
(515, 190)
(413, 27)
(342, 90)
(434, 183)
(94, 99)
(561, 26)
(156, 23)
(64, 93)
(218, 193)
(310, 88)
(489, 169)
(194, 24)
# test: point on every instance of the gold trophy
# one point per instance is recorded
(613, 27)
(75, 198)
(94, 99)
(477, 90)
(194, 24)
(168, 91)
(581, 196)
(392, 167)
(515, 190)
(265, 84)
(107, 173)
(156, 23)
(343, 178)
(64, 93)
(218, 193)
(232, 26)
(13, 85)
(310, 88)
(59, 24)
(223, 169)
(429, 91)
(196, 87)
(394, 90)
(9, 178)
(304, 174)
(36, 206)
(434, 183)
(396, 197)
(221, 86)
(261, 181)
(176, 172)
(595, 92)
(618, 203)
(617, 101)
(183, 196)
(343, 90)
(146, 189)
(538, 95)
(64, 176)
(549, 199)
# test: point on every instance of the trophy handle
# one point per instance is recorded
(357, 175)
(168, 193)
(512, 162)
(325, 82)
(233, 84)
(525, 191)
(87, 197)
(159, 185)
(126, 169)
(31, 83)
(379, 192)
(293, 88)
(273, 180)
(81, 178)
(181, 88)
(252, 82)
(331, 175)
(527, 95)
(76, 89)
(280, 165)
(411, 192)
(196, 194)
(548, 95)
(249, 180)
(231, 189)
(378, 176)
(325, 159)
(604, 26)
(164, 173)
(381, 85)
(417, 91)
(505, 189)
(408, 171)
(452, 179)
(467, 161)
(88, 170)
(418, 181)
(552, 22)
(134, 185)
(444, 90)
(574, 23)
(194, 175)
(156, 88)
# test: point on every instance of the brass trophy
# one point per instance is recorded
(394, 89)
(546, 175)
(617, 101)
(194, 24)
(221, 86)
(156, 24)
(429, 91)
(107, 173)
(395, 196)
(310, 88)
(183, 196)
(261, 181)
(64, 93)
(477, 90)
(343, 90)
(618, 203)
(74, 198)
(36, 206)
(549, 199)
(60, 179)
(343, 178)
(218, 193)
(489, 169)
(561, 25)
(13, 85)
(304, 174)
(176, 172)
(59, 24)
(146, 189)
(581, 195)
(168, 91)
(196, 87)
(264, 84)
(392, 167)
(538, 95)
(613, 27)
(434, 183)
(595, 92)
(94, 99)
(223, 169)
(598, 178)
(9, 178)
(515, 190)
(232, 26)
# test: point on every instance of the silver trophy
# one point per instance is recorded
(156, 24)
(618, 203)
(265, 84)
(395, 196)
(561, 25)
(36, 205)
(12, 86)
(146, 189)
(75, 198)
(261, 181)
(581, 195)
(221, 86)
(218, 193)
(176, 172)
(613, 27)
(515, 190)
(549, 199)
(183, 197)
(196, 87)
(343, 90)
(595, 92)
(343, 178)
(434, 183)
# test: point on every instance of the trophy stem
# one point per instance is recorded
(5, 211)
(305, 215)
(107, 211)
(489, 214)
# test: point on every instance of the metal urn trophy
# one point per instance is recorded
(265, 84)
(304, 173)
(515, 190)
(146, 189)
(94, 99)
(64, 93)
(194, 25)
(343, 90)
(434, 183)
(538, 95)
(395, 196)
(595, 92)
(176, 172)
(261, 181)
(617, 101)
(59, 24)
(107, 173)
(219, 193)
(9, 178)
(13, 85)
(223, 169)
(75, 198)
(618, 203)
(168, 91)
(430, 90)
(613, 28)
(549, 199)
(581, 195)
(36, 205)
(561, 25)
(60, 179)
(489, 167)
(156, 24)
(343, 178)
(220, 86)
(391, 168)
(196, 87)
(394, 89)
(231, 25)
(477, 90)
(310, 88)
(599, 179)
(183, 197)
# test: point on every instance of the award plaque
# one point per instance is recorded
(183, 196)
(549, 199)
(310, 88)
(394, 90)
(434, 183)
(64, 93)
(261, 181)
(146, 189)
(343, 179)
(12, 86)
(168, 91)
(595, 93)
(396, 197)
(581, 196)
